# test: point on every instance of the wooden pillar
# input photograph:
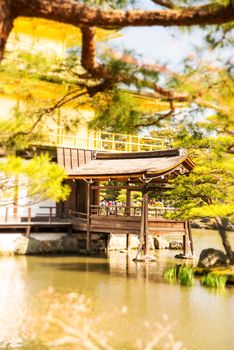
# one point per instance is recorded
(128, 201)
(145, 216)
(141, 238)
(6, 214)
(128, 241)
(185, 239)
(88, 238)
(190, 237)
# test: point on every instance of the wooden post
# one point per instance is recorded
(128, 241)
(128, 202)
(6, 214)
(190, 237)
(29, 214)
(185, 239)
(141, 238)
(88, 239)
(50, 214)
(145, 216)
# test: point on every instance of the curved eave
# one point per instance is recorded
(148, 170)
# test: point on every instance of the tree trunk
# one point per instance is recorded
(6, 23)
(223, 234)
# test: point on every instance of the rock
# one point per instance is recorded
(160, 243)
(146, 258)
(21, 245)
(182, 256)
(151, 243)
(176, 245)
(212, 257)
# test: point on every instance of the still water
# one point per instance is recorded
(204, 318)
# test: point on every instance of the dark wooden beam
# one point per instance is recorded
(145, 215)
(88, 239)
(137, 155)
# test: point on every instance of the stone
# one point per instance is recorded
(176, 245)
(160, 243)
(182, 256)
(21, 245)
(212, 257)
(145, 258)
(151, 243)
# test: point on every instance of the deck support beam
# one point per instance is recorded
(185, 239)
(128, 200)
(190, 237)
(88, 236)
(145, 217)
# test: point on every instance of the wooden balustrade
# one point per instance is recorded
(29, 218)
(104, 141)
(123, 210)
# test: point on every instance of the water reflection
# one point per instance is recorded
(204, 317)
(13, 297)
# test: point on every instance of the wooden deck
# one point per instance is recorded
(128, 220)
(128, 224)
(29, 223)
(34, 226)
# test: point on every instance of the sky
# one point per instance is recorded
(159, 44)
(169, 45)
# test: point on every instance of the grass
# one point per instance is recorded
(186, 276)
(183, 274)
(170, 274)
(213, 280)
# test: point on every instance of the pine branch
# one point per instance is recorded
(78, 14)
(88, 60)
(165, 3)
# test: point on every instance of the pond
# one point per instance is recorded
(202, 318)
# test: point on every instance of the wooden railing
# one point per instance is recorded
(83, 217)
(122, 210)
(116, 210)
(105, 141)
(48, 217)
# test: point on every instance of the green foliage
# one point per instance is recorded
(213, 280)
(114, 4)
(110, 195)
(42, 178)
(170, 274)
(117, 113)
(186, 276)
(17, 132)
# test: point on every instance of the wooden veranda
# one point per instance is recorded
(139, 171)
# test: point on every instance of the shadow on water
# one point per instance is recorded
(79, 266)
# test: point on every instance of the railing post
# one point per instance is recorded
(130, 143)
(50, 214)
(156, 213)
(29, 214)
(6, 214)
